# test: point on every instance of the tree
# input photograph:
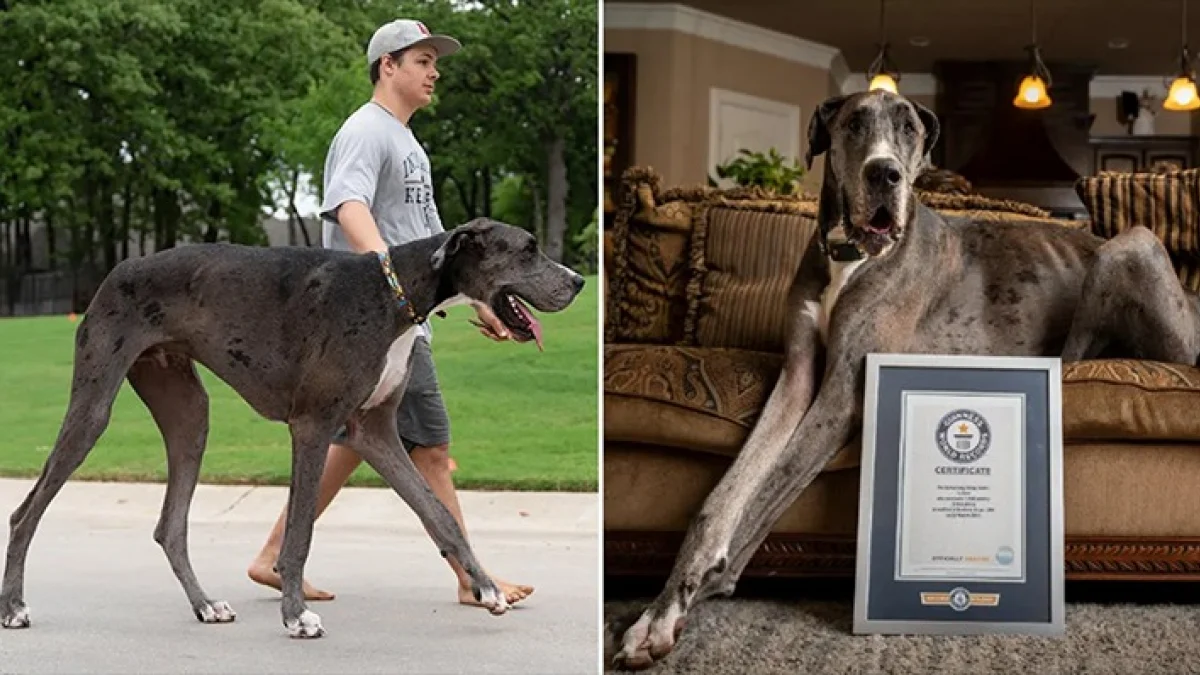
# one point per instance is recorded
(549, 51)
(129, 127)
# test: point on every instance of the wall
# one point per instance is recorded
(685, 53)
(675, 74)
(1166, 122)
(660, 97)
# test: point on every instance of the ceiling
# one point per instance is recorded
(1067, 30)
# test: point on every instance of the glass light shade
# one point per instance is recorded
(1182, 95)
(883, 81)
(1032, 93)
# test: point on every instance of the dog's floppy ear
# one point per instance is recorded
(930, 121)
(449, 247)
(459, 237)
(818, 127)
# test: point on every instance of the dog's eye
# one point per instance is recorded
(909, 127)
(855, 125)
(531, 247)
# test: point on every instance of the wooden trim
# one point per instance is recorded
(628, 553)
(619, 125)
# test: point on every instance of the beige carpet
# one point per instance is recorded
(765, 635)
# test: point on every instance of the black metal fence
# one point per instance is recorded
(47, 292)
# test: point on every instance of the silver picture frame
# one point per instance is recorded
(890, 604)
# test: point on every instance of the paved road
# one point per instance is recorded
(103, 598)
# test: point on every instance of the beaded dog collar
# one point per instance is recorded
(385, 261)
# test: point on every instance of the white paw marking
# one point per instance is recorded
(633, 640)
(494, 600)
(308, 626)
(662, 630)
(20, 619)
(217, 612)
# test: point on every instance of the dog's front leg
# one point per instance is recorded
(712, 553)
(310, 442)
(763, 482)
(374, 437)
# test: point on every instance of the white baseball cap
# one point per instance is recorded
(403, 33)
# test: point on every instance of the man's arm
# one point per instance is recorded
(360, 228)
(352, 169)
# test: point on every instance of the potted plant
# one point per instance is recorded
(766, 170)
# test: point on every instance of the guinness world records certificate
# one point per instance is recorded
(960, 511)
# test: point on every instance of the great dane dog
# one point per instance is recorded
(887, 274)
(313, 338)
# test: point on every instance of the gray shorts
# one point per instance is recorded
(421, 419)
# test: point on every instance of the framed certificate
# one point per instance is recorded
(960, 526)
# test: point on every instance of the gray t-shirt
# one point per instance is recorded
(376, 159)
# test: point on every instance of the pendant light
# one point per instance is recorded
(1033, 92)
(883, 74)
(1182, 95)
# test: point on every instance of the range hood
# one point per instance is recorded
(1032, 156)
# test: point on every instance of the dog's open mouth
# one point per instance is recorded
(881, 222)
(519, 320)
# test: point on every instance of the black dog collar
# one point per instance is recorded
(840, 251)
(844, 251)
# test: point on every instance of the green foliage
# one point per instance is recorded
(512, 201)
(175, 120)
(767, 170)
(588, 242)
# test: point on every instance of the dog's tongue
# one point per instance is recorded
(881, 221)
(534, 326)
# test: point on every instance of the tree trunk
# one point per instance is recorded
(26, 244)
(50, 252)
(293, 216)
(87, 239)
(213, 229)
(126, 217)
(466, 194)
(166, 219)
(539, 214)
(108, 228)
(147, 220)
(158, 220)
(487, 192)
(556, 200)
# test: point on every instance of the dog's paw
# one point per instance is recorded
(216, 612)
(16, 617)
(490, 597)
(649, 640)
(307, 626)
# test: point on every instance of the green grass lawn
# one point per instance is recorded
(520, 419)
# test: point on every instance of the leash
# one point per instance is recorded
(385, 260)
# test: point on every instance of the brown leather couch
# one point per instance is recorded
(695, 284)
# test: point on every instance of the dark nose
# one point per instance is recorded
(882, 173)
(579, 281)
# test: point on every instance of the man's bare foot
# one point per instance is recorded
(263, 572)
(513, 593)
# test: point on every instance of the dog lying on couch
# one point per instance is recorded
(885, 273)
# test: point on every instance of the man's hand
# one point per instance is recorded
(489, 324)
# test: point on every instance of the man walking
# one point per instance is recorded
(379, 193)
